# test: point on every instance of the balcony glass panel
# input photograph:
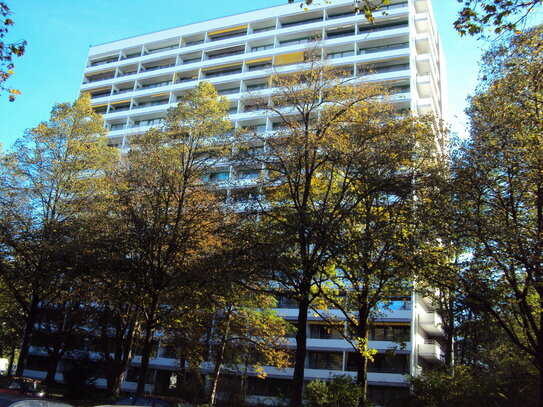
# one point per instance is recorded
(325, 360)
(223, 73)
(384, 48)
(295, 23)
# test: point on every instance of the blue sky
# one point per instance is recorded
(59, 33)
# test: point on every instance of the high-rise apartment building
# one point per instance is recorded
(134, 81)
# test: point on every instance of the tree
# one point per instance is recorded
(247, 333)
(339, 390)
(306, 197)
(498, 192)
(8, 51)
(378, 247)
(170, 218)
(503, 15)
(49, 182)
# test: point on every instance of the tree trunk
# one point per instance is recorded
(52, 364)
(27, 336)
(449, 332)
(145, 357)
(219, 361)
(11, 359)
(299, 358)
(124, 340)
(362, 365)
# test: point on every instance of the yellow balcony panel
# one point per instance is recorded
(255, 61)
(287, 59)
(227, 30)
(119, 102)
(219, 67)
(103, 71)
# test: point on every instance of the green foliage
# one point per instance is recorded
(502, 15)
(50, 184)
(8, 51)
(339, 391)
(474, 387)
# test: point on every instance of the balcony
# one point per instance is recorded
(431, 323)
(430, 351)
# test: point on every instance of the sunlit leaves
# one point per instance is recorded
(8, 51)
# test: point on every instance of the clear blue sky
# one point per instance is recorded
(59, 33)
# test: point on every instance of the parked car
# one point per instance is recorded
(24, 386)
(140, 401)
(17, 400)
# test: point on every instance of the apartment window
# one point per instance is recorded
(325, 360)
(244, 196)
(384, 48)
(261, 48)
(382, 363)
(341, 15)
(162, 66)
(303, 40)
(127, 73)
(156, 85)
(228, 91)
(382, 27)
(269, 387)
(392, 333)
(117, 127)
(191, 60)
(219, 176)
(124, 90)
(149, 122)
(100, 94)
(325, 331)
(257, 150)
(191, 43)
(341, 54)
(154, 51)
(104, 61)
(223, 73)
(132, 375)
(152, 103)
(340, 33)
(250, 174)
(256, 86)
(295, 23)
(259, 30)
(258, 67)
(226, 53)
(132, 55)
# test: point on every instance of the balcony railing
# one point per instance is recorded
(226, 54)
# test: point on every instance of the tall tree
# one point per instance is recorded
(306, 199)
(498, 175)
(170, 216)
(8, 51)
(49, 182)
(378, 246)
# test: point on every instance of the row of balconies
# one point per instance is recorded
(278, 23)
(267, 59)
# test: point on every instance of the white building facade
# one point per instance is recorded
(134, 81)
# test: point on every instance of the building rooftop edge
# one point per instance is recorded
(200, 26)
